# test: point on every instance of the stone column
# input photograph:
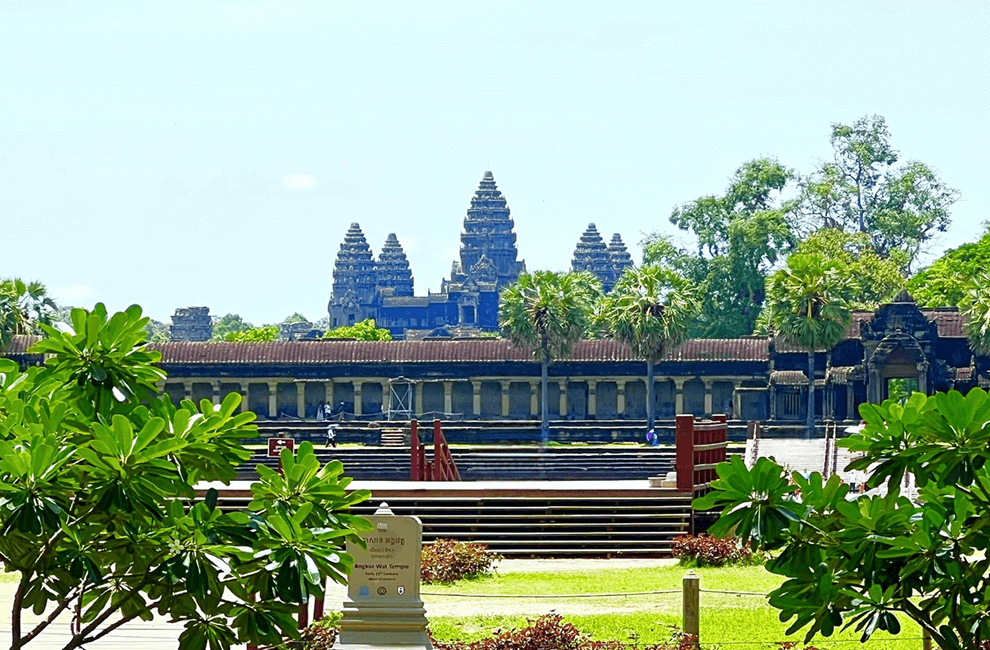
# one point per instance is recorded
(678, 395)
(736, 399)
(273, 400)
(419, 399)
(246, 393)
(328, 395)
(563, 398)
(187, 389)
(923, 377)
(708, 396)
(505, 398)
(358, 400)
(301, 399)
(773, 401)
(620, 397)
(476, 390)
(534, 399)
(850, 401)
(592, 399)
(216, 392)
(448, 397)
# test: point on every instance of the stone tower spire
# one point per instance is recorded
(354, 271)
(591, 255)
(392, 268)
(620, 257)
(488, 242)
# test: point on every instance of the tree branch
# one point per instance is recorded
(40, 627)
(105, 631)
(15, 612)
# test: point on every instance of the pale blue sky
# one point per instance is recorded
(202, 153)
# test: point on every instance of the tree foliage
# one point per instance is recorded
(858, 561)
(878, 279)
(975, 306)
(809, 302)
(548, 313)
(98, 509)
(943, 284)
(254, 335)
(860, 190)
(229, 324)
(24, 307)
(366, 330)
(740, 236)
(650, 309)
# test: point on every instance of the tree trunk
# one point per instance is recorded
(650, 389)
(544, 411)
(811, 394)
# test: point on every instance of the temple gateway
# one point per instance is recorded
(382, 288)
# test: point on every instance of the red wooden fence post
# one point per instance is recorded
(684, 463)
(415, 467)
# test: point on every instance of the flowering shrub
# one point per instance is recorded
(322, 634)
(550, 632)
(705, 550)
(447, 560)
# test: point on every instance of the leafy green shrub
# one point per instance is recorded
(705, 550)
(550, 632)
(447, 560)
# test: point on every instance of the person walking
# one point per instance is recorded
(331, 437)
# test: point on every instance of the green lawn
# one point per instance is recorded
(726, 620)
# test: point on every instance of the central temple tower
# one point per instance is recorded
(488, 243)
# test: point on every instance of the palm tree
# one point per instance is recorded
(975, 306)
(810, 303)
(548, 313)
(22, 306)
(650, 309)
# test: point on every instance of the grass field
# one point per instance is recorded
(728, 621)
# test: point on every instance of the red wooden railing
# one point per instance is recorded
(700, 447)
(441, 468)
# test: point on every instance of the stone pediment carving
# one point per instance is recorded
(484, 270)
(898, 318)
(350, 302)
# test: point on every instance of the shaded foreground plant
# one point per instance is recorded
(857, 562)
(705, 550)
(99, 512)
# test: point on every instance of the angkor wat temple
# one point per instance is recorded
(382, 288)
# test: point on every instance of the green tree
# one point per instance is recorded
(857, 563)
(296, 317)
(547, 313)
(254, 335)
(975, 306)
(809, 303)
(98, 509)
(739, 237)
(24, 307)
(227, 325)
(879, 279)
(365, 330)
(861, 190)
(650, 309)
(943, 284)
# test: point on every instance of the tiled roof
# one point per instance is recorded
(19, 345)
(476, 350)
(788, 378)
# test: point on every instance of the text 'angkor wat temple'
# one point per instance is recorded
(382, 289)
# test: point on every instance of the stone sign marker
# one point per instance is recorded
(383, 608)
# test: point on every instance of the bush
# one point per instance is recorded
(705, 550)
(322, 634)
(447, 560)
(550, 632)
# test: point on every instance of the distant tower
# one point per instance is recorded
(488, 244)
(392, 271)
(592, 255)
(191, 324)
(353, 280)
(620, 257)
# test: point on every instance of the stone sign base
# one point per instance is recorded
(383, 626)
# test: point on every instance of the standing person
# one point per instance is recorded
(331, 437)
(651, 438)
(320, 413)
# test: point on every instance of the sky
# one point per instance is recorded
(214, 153)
